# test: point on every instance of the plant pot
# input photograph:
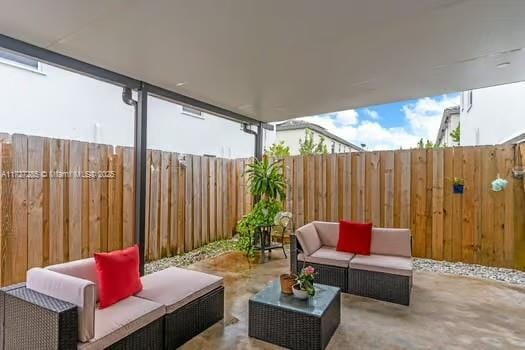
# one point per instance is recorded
(287, 282)
(458, 188)
(299, 293)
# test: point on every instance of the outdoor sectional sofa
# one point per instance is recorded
(57, 309)
(385, 274)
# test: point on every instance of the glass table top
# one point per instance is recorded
(316, 305)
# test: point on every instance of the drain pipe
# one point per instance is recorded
(127, 97)
(258, 138)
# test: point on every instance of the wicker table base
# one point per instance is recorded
(292, 323)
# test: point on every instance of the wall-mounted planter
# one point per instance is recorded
(458, 188)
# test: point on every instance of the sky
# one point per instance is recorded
(389, 126)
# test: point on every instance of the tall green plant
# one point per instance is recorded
(456, 134)
(309, 146)
(278, 150)
(266, 179)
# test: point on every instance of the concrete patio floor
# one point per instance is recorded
(446, 312)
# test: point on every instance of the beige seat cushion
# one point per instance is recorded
(395, 265)
(84, 268)
(328, 232)
(308, 238)
(119, 320)
(327, 256)
(391, 241)
(175, 287)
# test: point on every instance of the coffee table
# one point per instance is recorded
(292, 323)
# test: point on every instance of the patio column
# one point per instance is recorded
(259, 141)
(141, 116)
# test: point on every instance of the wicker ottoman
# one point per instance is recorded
(296, 324)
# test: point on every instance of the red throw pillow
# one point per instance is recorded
(118, 275)
(354, 237)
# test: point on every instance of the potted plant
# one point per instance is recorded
(304, 287)
(458, 185)
(267, 185)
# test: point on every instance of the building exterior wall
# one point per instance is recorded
(450, 126)
(61, 104)
(496, 114)
(291, 139)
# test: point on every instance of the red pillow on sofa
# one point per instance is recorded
(354, 237)
(118, 275)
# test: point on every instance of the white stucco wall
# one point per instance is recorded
(291, 139)
(57, 103)
(449, 127)
(497, 114)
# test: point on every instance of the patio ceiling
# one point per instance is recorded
(273, 60)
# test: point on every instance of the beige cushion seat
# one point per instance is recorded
(396, 265)
(119, 320)
(327, 256)
(175, 287)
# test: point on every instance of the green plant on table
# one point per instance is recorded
(458, 181)
(305, 280)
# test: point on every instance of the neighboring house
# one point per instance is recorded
(449, 123)
(47, 101)
(493, 115)
(294, 130)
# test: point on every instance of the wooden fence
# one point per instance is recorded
(413, 189)
(54, 209)
(55, 206)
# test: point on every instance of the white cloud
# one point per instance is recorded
(371, 113)
(422, 120)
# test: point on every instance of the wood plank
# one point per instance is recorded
(468, 242)
(164, 213)
(418, 201)
(6, 217)
(181, 216)
(74, 183)
(373, 190)
(358, 186)
(188, 229)
(212, 200)
(517, 186)
(148, 205)
(437, 203)
(225, 198)
(317, 187)
(17, 257)
(457, 208)
(35, 200)
(505, 156)
(309, 184)
(197, 199)
(347, 186)
(448, 211)
(104, 152)
(323, 186)
(205, 235)
(428, 204)
(299, 190)
(219, 200)
(387, 170)
(154, 206)
(173, 204)
(57, 239)
(128, 197)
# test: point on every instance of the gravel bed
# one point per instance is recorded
(205, 252)
(471, 270)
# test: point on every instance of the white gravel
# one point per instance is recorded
(471, 270)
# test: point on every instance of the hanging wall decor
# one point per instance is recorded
(499, 184)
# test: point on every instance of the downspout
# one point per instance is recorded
(258, 138)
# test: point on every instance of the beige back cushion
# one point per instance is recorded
(84, 268)
(391, 241)
(308, 238)
(328, 232)
(77, 291)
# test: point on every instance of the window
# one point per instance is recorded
(192, 112)
(468, 100)
(18, 60)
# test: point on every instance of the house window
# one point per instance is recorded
(20, 61)
(192, 112)
(468, 100)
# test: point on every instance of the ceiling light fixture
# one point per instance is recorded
(503, 65)
(181, 84)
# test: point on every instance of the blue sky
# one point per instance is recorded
(389, 126)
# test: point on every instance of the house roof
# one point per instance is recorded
(275, 60)
(301, 125)
(444, 121)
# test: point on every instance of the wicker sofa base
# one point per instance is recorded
(330, 275)
(148, 337)
(193, 318)
(379, 285)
